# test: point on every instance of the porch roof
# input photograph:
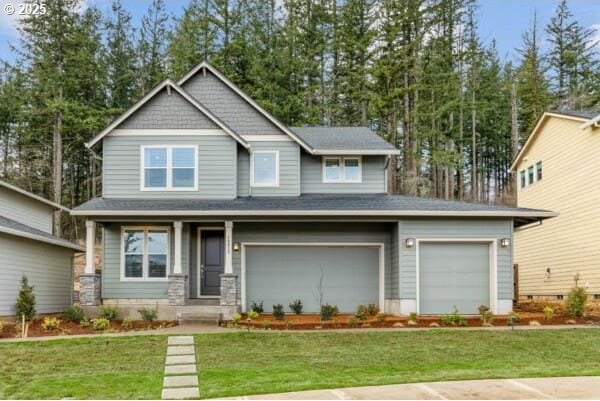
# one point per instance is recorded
(308, 205)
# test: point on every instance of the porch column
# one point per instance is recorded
(228, 245)
(89, 282)
(177, 253)
(176, 290)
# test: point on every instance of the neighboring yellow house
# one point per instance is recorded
(558, 169)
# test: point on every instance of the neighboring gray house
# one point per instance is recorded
(27, 247)
(210, 203)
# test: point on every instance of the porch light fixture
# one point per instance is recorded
(505, 242)
(410, 242)
(236, 246)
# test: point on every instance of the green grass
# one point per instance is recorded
(253, 363)
(96, 368)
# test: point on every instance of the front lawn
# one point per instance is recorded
(255, 362)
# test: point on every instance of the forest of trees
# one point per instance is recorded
(415, 71)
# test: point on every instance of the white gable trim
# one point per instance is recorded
(167, 83)
(247, 98)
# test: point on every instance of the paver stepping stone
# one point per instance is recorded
(180, 350)
(180, 359)
(180, 369)
(180, 393)
(181, 340)
(180, 381)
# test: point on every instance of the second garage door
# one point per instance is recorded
(453, 274)
(280, 274)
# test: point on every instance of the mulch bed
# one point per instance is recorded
(69, 328)
(347, 321)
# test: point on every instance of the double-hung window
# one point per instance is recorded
(264, 168)
(523, 179)
(145, 253)
(342, 169)
(169, 168)
(538, 170)
(531, 175)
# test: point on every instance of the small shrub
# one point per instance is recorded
(548, 312)
(372, 309)
(513, 318)
(278, 312)
(1, 327)
(353, 322)
(454, 318)
(266, 324)
(329, 311)
(25, 305)
(257, 307)
(575, 302)
(486, 315)
(252, 314)
(482, 309)
(100, 323)
(148, 314)
(108, 312)
(381, 317)
(127, 323)
(74, 314)
(362, 312)
(413, 317)
(296, 306)
(85, 322)
(236, 317)
(50, 323)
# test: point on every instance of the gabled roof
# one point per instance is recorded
(33, 196)
(248, 99)
(9, 226)
(169, 84)
(577, 115)
(345, 140)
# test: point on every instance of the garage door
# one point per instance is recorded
(453, 274)
(280, 274)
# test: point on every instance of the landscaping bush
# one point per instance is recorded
(329, 311)
(454, 318)
(74, 314)
(127, 323)
(100, 323)
(575, 302)
(372, 309)
(1, 328)
(381, 317)
(257, 307)
(548, 312)
(278, 312)
(85, 322)
(412, 316)
(513, 318)
(486, 315)
(361, 312)
(296, 306)
(25, 305)
(236, 317)
(353, 322)
(148, 314)
(108, 312)
(50, 323)
(253, 315)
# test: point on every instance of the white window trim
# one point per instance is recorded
(342, 161)
(169, 168)
(145, 277)
(252, 183)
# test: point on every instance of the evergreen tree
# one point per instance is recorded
(151, 48)
(25, 305)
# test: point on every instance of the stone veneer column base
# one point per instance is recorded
(89, 290)
(229, 299)
(176, 289)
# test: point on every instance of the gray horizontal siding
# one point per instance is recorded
(216, 166)
(373, 176)
(114, 288)
(289, 166)
(317, 233)
(49, 269)
(230, 107)
(25, 210)
(454, 228)
(168, 111)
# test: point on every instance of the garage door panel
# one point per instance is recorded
(280, 274)
(453, 274)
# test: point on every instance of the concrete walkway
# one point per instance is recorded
(579, 388)
(181, 375)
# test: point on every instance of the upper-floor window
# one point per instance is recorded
(530, 175)
(523, 179)
(145, 253)
(538, 169)
(264, 168)
(166, 168)
(342, 169)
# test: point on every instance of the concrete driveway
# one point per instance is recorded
(581, 388)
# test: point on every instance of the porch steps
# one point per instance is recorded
(200, 314)
(203, 301)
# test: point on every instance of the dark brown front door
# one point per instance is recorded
(212, 257)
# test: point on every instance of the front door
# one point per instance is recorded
(212, 256)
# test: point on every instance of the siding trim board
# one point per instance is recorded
(493, 248)
(380, 245)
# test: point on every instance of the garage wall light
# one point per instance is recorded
(505, 242)
(410, 242)
(236, 246)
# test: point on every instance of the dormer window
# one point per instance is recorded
(342, 170)
(169, 168)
